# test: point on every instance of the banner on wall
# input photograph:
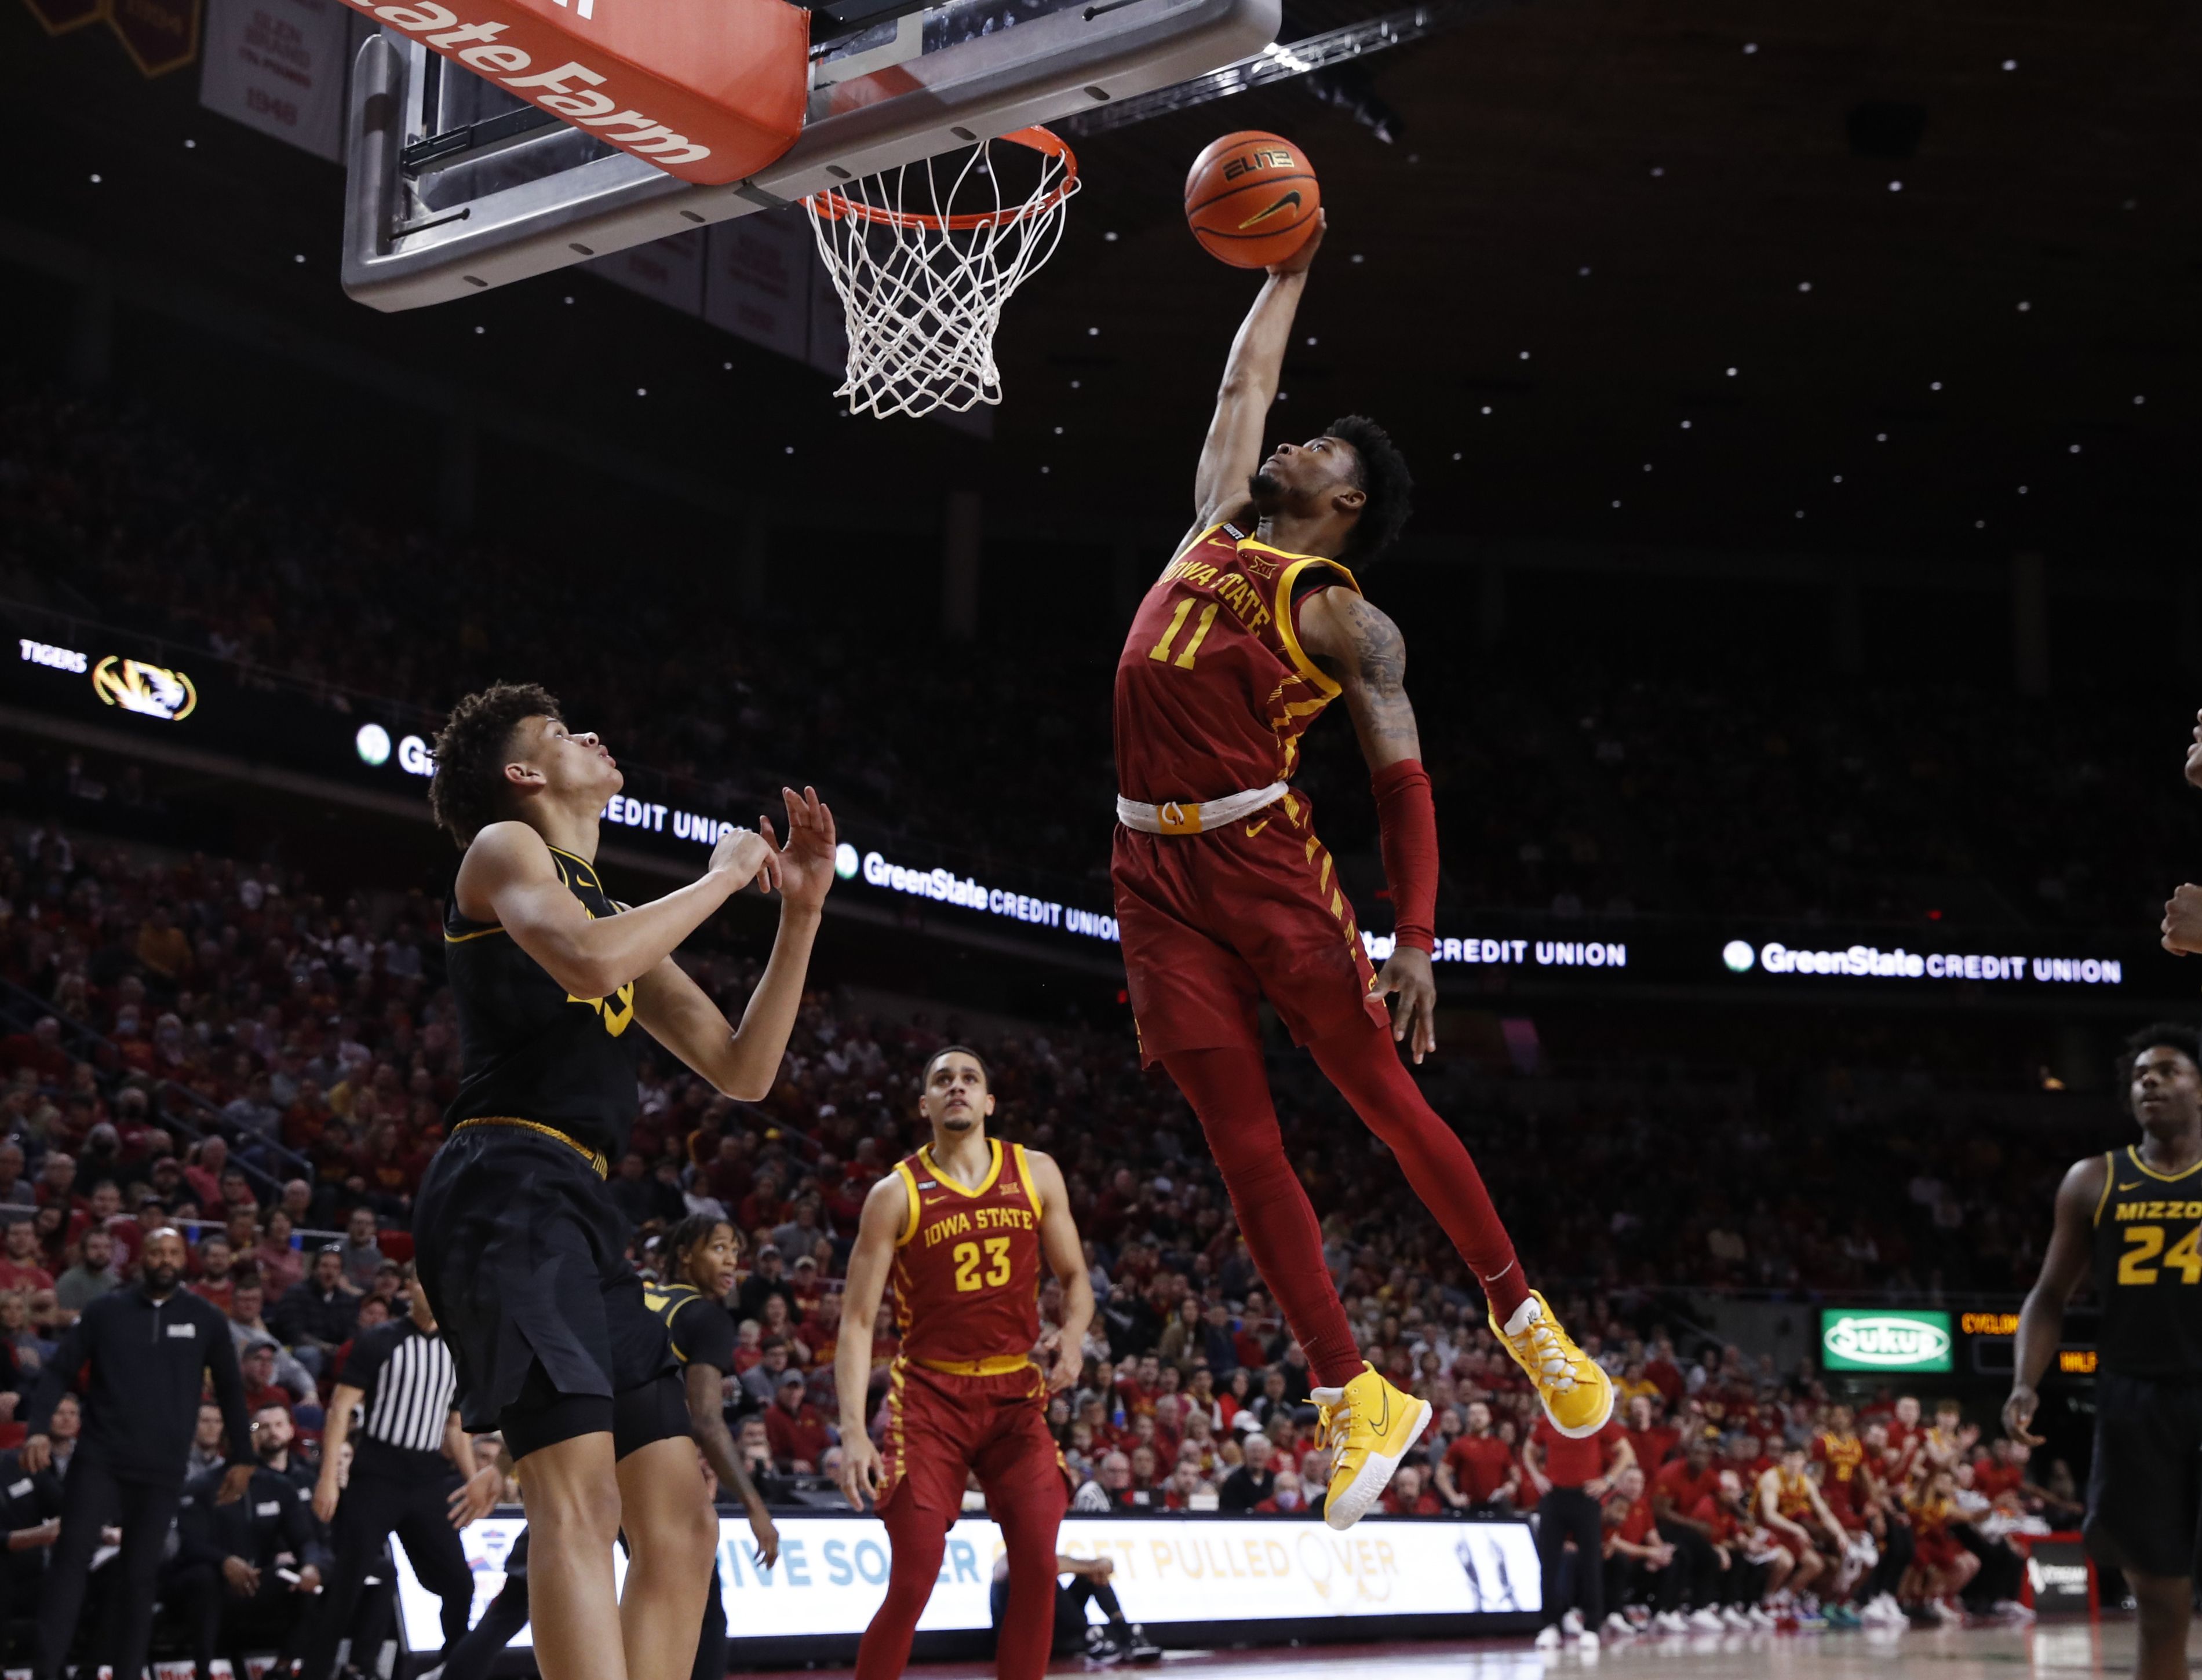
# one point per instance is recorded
(833, 1572)
(758, 283)
(159, 35)
(670, 270)
(280, 66)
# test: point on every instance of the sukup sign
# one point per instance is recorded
(1854, 1341)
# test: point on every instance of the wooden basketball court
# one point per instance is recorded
(2065, 1650)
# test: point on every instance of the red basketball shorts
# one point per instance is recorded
(943, 1429)
(1214, 922)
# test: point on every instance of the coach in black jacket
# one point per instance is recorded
(246, 1564)
(149, 1351)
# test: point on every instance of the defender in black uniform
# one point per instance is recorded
(517, 1240)
(2133, 1218)
(692, 1305)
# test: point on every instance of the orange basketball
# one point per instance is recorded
(1252, 199)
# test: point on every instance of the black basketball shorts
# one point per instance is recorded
(523, 1253)
(2144, 1488)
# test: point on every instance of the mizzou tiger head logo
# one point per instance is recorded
(150, 690)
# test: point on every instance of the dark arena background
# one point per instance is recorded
(1804, 630)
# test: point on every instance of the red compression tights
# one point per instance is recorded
(919, 1538)
(1229, 1090)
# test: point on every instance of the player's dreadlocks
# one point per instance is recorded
(471, 751)
(1384, 477)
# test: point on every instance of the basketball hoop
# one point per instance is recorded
(923, 273)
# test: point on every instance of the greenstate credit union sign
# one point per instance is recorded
(1853, 1340)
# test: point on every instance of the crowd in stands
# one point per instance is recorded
(1562, 787)
(195, 1041)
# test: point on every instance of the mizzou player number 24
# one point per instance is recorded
(2132, 1219)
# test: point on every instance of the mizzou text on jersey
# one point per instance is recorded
(1214, 691)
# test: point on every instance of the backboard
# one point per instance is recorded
(454, 186)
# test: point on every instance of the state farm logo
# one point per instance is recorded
(570, 91)
(1886, 1340)
(150, 690)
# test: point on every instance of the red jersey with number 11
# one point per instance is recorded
(1213, 688)
(967, 1264)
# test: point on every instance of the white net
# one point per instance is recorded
(925, 256)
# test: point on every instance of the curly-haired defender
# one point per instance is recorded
(470, 791)
(520, 1246)
(1226, 898)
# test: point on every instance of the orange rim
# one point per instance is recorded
(837, 204)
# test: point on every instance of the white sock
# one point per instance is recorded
(1524, 1315)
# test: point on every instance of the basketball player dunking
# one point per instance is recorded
(1224, 897)
(519, 1246)
(963, 1225)
(2131, 1218)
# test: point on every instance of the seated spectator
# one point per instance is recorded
(1188, 1489)
(209, 1442)
(798, 1430)
(1639, 1566)
(1110, 1488)
(14, 1191)
(215, 1262)
(1409, 1495)
(361, 1250)
(22, 1264)
(260, 1387)
(204, 1165)
(767, 1280)
(280, 1265)
(92, 1276)
(761, 1380)
(320, 1313)
(1252, 1481)
(1287, 1497)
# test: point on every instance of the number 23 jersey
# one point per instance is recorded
(968, 1263)
(2148, 1268)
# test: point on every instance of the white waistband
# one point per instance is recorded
(1195, 817)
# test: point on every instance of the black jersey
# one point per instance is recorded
(528, 1049)
(2148, 1269)
(702, 1329)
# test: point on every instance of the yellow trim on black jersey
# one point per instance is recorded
(984, 1185)
(451, 938)
(595, 880)
(2109, 1177)
(2161, 1178)
(665, 1301)
(1024, 1177)
(909, 1190)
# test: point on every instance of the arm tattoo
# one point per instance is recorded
(1378, 695)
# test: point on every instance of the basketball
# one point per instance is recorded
(1252, 199)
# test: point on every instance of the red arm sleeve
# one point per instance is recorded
(1407, 822)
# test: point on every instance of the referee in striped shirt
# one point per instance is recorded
(413, 1473)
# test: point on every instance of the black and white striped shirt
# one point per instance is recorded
(409, 1382)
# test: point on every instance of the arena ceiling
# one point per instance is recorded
(1863, 276)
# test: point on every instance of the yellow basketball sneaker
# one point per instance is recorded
(1368, 1426)
(1578, 1395)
